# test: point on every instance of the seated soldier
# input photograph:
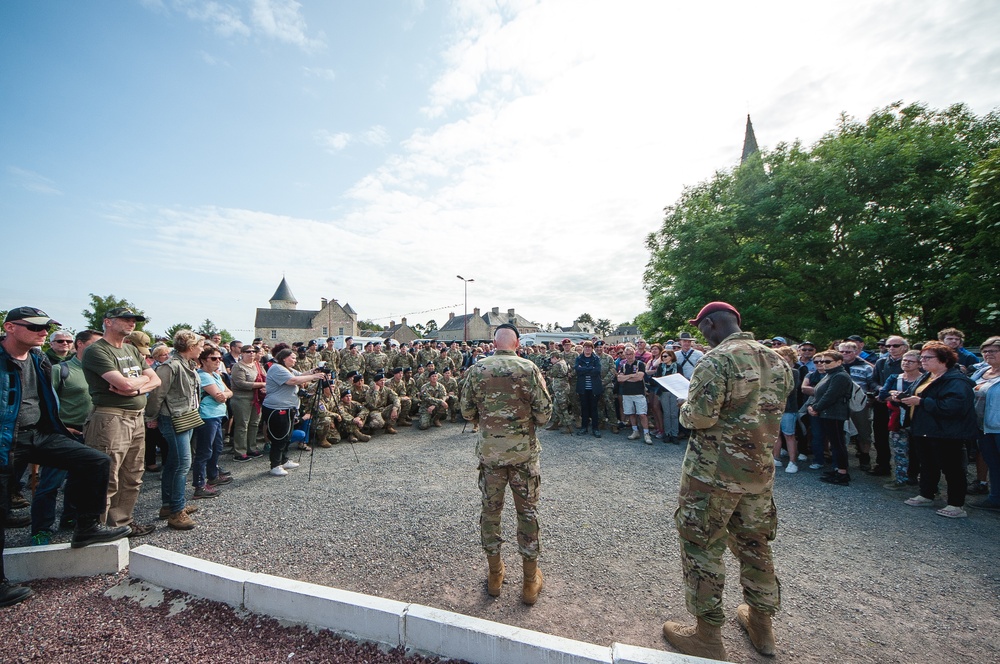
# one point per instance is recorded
(352, 418)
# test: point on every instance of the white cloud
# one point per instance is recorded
(282, 21)
(332, 142)
(224, 19)
(33, 181)
(316, 72)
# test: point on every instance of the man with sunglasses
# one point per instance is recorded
(119, 380)
(60, 347)
(31, 432)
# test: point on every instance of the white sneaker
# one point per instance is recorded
(647, 439)
(278, 471)
(288, 465)
(777, 463)
(919, 501)
(635, 435)
(792, 467)
(803, 457)
(815, 466)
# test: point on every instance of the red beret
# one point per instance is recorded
(713, 307)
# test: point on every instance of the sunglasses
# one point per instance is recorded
(248, 351)
(895, 345)
(823, 362)
(31, 327)
(59, 341)
(215, 359)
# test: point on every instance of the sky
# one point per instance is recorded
(185, 155)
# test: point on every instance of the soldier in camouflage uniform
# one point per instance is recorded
(734, 407)
(404, 358)
(352, 418)
(330, 355)
(376, 362)
(352, 362)
(569, 354)
(427, 354)
(422, 375)
(457, 359)
(506, 396)
(450, 384)
(325, 417)
(305, 363)
(359, 391)
(398, 385)
(606, 405)
(558, 374)
(433, 402)
(411, 391)
(383, 406)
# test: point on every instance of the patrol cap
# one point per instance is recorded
(30, 315)
(124, 312)
(356, 377)
(715, 307)
(379, 376)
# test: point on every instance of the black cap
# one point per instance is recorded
(377, 377)
(395, 370)
(30, 315)
(124, 312)
(855, 337)
(345, 393)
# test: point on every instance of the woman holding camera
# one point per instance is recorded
(280, 406)
(896, 386)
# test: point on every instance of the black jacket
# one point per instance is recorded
(588, 366)
(947, 407)
(832, 394)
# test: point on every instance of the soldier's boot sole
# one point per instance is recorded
(758, 628)
(701, 640)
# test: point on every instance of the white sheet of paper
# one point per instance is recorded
(676, 383)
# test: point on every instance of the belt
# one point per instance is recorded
(118, 411)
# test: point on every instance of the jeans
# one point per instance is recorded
(818, 445)
(668, 404)
(175, 466)
(208, 447)
(43, 504)
(989, 447)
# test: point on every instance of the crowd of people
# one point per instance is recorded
(177, 406)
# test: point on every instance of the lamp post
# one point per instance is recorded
(465, 335)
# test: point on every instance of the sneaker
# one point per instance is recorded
(658, 436)
(207, 491)
(783, 452)
(815, 466)
(986, 504)
(240, 458)
(220, 480)
(11, 594)
(952, 512)
(978, 488)
(803, 457)
(253, 454)
(777, 463)
(289, 465)
(278, 471)
(181, 521)
(647, 439)
(634, 435)
(41, 538)
(224, 473)
(792, 467)
(894, 486)
(919, 501)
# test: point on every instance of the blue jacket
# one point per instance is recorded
(947, 407)
(10, 398)
(588, 366)
(991, 417)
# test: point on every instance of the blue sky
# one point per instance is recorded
(185, 155)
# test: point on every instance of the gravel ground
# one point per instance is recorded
(865, 578)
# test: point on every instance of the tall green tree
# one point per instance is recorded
(859, 234)
(99, 306)
(174, 329)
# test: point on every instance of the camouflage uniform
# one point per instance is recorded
(427, 355)
(506, 396)
(734, 409)
(574, 401)
(561, 391)
(351, 362)
(451, 387)
(380, 402)
(400, 387)
(348, 410)
(442, 362)
(457, 359)
(404, 360)
(433, 395)
(606, 405)
(332, 359)
(375, 363)
(305, 363)
(325, 416)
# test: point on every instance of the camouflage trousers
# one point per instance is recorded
(381, 418)
(606, 405)
(707, 521)
(561, 412)
(525, 482)
(348, 429)
(404, 409)
(440, 414)
(325, 430)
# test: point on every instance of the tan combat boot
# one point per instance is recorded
(389, 429)
(553, 427)
(702, 640)
(568, 429)
(363, 438)
(325, 444)
(180, 521)
(495, 579)
(533, 582)
(188, 509)
(758, 627)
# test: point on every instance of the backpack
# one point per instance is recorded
(858, 399)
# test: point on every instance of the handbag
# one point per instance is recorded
(186, 421)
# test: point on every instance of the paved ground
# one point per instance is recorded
(864, 577)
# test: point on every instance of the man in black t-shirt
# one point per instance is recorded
(631, 383)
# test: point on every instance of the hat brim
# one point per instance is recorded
(38, 320)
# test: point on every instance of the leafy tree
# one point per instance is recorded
(370, 325)
(431, 327)
(226, 336)
(99, 306)
(603, 326)
(860, 234)
(420, 330)
(174, 329)
(585, 318)
(207, 329)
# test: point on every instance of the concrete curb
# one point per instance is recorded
(60, 561)
(417, 628)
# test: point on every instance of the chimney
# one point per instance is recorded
(475, 312)
(392, 324)
(403, 321)
(451, 314)
(510, 313)
(322, 303)
(496, 310)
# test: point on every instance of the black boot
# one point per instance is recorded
(840, 479)
(11, 594)
(865, 461)
(88, 531)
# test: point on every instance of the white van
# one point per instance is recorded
(543, 338)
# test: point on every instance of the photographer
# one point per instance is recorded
(898, 385)
(280, 407)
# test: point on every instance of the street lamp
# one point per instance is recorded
(465, 335)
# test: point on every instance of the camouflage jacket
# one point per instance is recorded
(306, 363)
(734, 407)
(376, 362)
(331, 357)
(457, 360)
(442, 361)
(607, 370)
(559, 377)
(351, 362)
(349, 412)
(506, 395)
(433, 395)
(427, 355)
(399, 387)
(378, 399)
(450, 385)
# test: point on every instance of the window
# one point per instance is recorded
(274, 334)
(341, 330)
(326, 333)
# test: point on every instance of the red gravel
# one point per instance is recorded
(75, 620)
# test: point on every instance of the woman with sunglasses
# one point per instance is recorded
(897, 385)
(248, 383)
(208, 437)
(942, 416)
(830, 406)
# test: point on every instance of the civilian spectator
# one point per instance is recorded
(248, 382)
(895, 386)
(790, 418)
(830, 406)
(280, 406)
(987, 391)
(954, 339)
(668, 400)
(863, 374)
(631, 382)
(60, 347)
(207, 474)
(589, 388)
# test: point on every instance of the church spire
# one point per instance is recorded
(749, 142)
(283, 298)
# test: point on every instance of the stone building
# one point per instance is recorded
(482, 326)
(401, 332)
(284, 321)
